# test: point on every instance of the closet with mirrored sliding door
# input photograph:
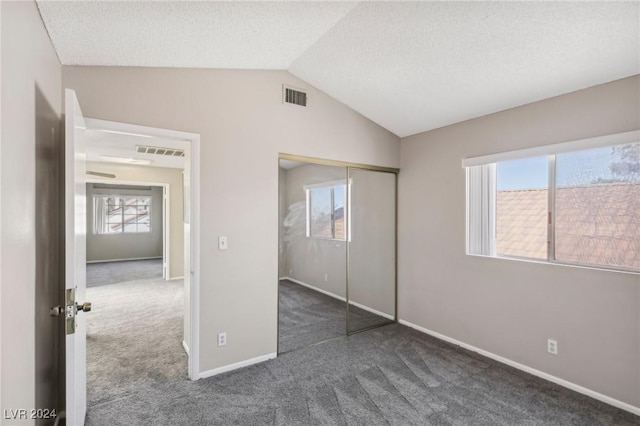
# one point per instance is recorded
(337, 250)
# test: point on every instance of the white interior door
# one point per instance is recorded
(75, 262)
(188, 269)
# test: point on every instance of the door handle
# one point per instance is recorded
(57, 310)
(85, 307)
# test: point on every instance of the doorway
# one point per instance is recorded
(135, 262)
(75, 229)
(337, 250)
(171, 162)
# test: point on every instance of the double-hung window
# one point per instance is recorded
(577, 203)
(326, 203)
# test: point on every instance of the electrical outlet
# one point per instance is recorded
(222, 339)
(552, 347)
(290, 272)
(326, 277)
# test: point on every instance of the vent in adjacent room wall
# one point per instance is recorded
(157, 150)
(293, 96)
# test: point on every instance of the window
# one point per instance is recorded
(113, 214)
(326, 211)
(521, 207)
(572, 206)
(597, 206)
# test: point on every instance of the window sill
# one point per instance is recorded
(560, 263)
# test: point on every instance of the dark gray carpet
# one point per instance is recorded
(127, 270)
(388, 376)
(307, 317)
(359, 319)
(134, 338)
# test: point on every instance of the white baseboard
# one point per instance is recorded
(185, 346)
(373, 311)
(319, 290)
(175, 278)
(123, 260)
(340, 298)
(237, 365)
(569, 385)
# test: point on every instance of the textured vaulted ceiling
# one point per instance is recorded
(408, 66)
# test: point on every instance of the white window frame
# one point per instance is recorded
(480, 238)
(347, 209)
(122, 214)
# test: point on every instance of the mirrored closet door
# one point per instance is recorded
(337, 250)
(312, 268)
(371, 253)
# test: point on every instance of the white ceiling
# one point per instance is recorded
(105, 146)
(201, 34)
(408, 66)
(417, 66)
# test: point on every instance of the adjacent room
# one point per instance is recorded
(125, 233)
(394, 213)
(136, 330)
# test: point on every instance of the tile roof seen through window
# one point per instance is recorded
(595, 224)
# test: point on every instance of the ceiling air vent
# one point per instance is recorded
(157, 150)
(293, 96)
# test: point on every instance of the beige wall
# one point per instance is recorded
(133, 173)
(507, 307)
(31, 91)
(243, 126)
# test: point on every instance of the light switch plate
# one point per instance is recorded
(222, 243)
